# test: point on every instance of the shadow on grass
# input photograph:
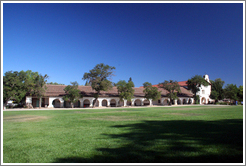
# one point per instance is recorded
(177, 141)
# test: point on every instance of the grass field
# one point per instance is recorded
(191, 134)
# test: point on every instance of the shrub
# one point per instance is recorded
(222, 103)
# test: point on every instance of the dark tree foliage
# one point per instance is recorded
(240, 93)
(125, 90)
(14, 86)
(99, 77)
(17, 84)
(54, 83)
(130, 80)
(172, 87)
(194, 85)
(217, 92)
(72, 93)
(151, 92)
(231, 92)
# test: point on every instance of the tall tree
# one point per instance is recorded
(172, 87)
(99, 77)
(39, 86)
(231, 92)
(194, 85)
(240, 93)
(72, 93)
(125, 90)
(87, 83)
(151, 92)
(217, 92)
(130, 80)
(29, 82)
(14, 86)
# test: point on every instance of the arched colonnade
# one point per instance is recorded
(58, 102)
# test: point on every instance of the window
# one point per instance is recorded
(159, 101)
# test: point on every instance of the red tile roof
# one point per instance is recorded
(87, 91)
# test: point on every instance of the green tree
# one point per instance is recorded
(87, 83)
(39, 86)
(125, 90)
(72, 93)
(217, 92)
(231, 92)
(172, 87)
(14, 86)
(240, 93)
(151, 92)
(99, 77)
(30, 80)
(54, 83)
(194, 85)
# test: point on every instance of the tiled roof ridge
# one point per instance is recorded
(88, 91)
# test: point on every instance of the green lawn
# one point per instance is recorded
(195, 134)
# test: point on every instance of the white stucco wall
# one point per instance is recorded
(205, 91)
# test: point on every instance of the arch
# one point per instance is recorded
(184, 101)
(77, 104)
(97, 103)
(67, 104)
(120, 103)
(156, 102)
(112, 103)
(146, 102)
(172, 101)
(165, 102)
(128, 103)
(189, 101)
(104, 103)
(86, 103)
(179, 102)
(56, 103)
(137, 102)
(203, 100)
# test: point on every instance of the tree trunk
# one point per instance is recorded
(40, 102)
(96, 99)
(94, 104)
(4, 105)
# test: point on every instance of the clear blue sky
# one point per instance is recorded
(148, 42)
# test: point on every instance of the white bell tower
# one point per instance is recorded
(206, 78)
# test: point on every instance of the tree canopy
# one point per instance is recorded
(231, 92)
(99, 77)
(172, 87)
(14, 86)
(240, 93)
(151, 92)
(17, 84)
(54, 83)
(217, 92)
(125, 90)
(72, 93)
(194, 85)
